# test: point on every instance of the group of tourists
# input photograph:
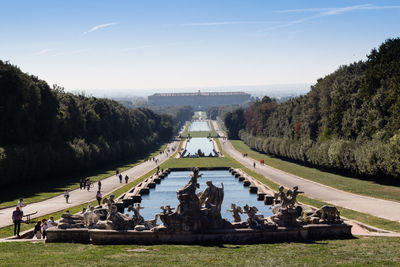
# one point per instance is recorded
(41, 227)
(155, 160)
(85, 183)
(44, 224)
(121, 177)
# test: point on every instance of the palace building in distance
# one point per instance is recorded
(199, 100)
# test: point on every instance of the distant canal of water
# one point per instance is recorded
(204, 144)
(199, 126)
(234, 192)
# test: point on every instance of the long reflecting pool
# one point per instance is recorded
(204, 144)
(165, 193)
(199, 126)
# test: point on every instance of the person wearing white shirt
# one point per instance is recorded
(21, 204)
(51, 222)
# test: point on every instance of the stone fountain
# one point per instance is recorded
(197, 220)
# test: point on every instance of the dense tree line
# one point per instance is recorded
(349, 120)
(179, 114)
(219, 111)
(46, 132)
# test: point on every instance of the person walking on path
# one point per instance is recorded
(126, 179)
(17, 219)
(120, 178)
(116, 172)
(66, 195)
(21, 204)
(99, 197)
(81, 184)
(88, 183)
(99, 185)
(254, 164)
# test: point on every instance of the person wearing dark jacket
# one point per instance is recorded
(17, 219)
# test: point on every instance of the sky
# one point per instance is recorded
(104, 47)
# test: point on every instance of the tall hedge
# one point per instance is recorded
(349, 121)
(46, 132)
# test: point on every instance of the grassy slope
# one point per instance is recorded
(228, 161)
(354, 185)
(362, 252)
(351, 214)
(48, 189)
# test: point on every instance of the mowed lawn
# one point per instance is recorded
(377, 251)
(362, 251)
(349, 184)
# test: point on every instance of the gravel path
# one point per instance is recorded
(79, 196)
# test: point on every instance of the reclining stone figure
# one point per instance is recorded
(326, 214)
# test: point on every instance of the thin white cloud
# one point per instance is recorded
(129, 49)
(98, 27)
(43, 51)
(70, 53)
(322, 12)
(338, 10)
(217, 23)
(300, 10)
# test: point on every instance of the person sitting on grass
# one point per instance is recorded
(51, 222)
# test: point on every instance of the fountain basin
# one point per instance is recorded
(305, 233)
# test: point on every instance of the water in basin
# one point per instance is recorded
(199, 126)
(234, 192)
(204, 144)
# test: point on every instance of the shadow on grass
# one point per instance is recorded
(308, 242)
(58, 184)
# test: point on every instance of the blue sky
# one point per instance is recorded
(129, 46)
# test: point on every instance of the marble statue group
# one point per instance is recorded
(199, 212)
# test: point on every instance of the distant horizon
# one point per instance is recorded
(131, 45)
(273, 90)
